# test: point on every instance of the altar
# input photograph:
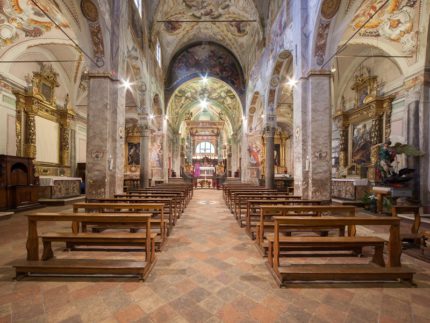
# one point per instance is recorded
(352, 189)
(205, 178)
(59, 187)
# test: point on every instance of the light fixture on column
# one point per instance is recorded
(126, 83)
(205, 79)
(151, 116)
(204, 105)
(292, 82)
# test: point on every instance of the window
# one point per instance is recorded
(205, 148)
(138, 4)
(158, 52)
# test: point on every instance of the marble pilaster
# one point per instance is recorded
(105, 145)
(312, 147)
(269, 171)
(144, 154)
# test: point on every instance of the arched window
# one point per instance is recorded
(138, 4)
(205, 148)
(158, 52)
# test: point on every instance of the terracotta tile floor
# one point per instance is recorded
(210, 271)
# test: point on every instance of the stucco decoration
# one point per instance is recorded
(25, 16)
(206, 59)
(207, 8)
(321, 42)
(90, 12)
(329, 8)
(396, 22)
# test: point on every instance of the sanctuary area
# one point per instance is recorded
(214, 160)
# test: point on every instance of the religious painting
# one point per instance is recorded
(208, 58)
(397, 22)
(133, 155)
(24, 15)
(254, 151)
(156, 152)
(361, 142)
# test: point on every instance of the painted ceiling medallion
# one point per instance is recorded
(208, 8)
(24, 15)
(89, 10)
(330, 8)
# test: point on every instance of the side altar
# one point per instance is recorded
(59, 187)
(352, 189)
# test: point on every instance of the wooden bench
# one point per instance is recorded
(162, 193)
(156, 209)
(240, 201)
(414, 235)
(178, 202)
(169, 205)
(375, 270)
(253, 211)
(268, 212)
(232, 192)
(95, 239)
(33, 265)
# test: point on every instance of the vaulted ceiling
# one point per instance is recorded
(221, 100)
(236, 24)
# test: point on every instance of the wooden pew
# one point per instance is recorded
(414, 235)
(226, 187)
(240, 201)
(335, 272)
(141, 267)
(253, 211)
(232, 192)
(268, 212)
(179, 203)
(156, 209)
(188, 187)
(182, 194)
(169, 206)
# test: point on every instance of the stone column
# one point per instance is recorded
(312, 136)
(105, 145)
(144, 154)
(269, 172)
(269, 139)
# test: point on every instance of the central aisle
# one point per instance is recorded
(214, 266)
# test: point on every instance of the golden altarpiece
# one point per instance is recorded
(362, 130)
(38, 100)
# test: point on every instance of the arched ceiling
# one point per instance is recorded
(242, 38)
(222, 103)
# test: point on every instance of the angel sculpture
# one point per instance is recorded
(387, 155)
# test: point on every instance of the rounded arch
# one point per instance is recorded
(284, 59)
(208, 59)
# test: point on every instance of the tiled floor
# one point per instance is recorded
(210, 271)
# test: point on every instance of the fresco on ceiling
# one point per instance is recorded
(212, 9)
(397, 21)
(211, 59)
(25, 16)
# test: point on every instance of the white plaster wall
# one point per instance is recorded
(47, 140)
(81, 143)
(7, 124)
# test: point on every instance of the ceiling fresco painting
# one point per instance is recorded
(206, 59)
(222, 102)
(24, 16)
(234, 24)
(397, 22)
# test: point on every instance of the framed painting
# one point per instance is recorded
(133, 153)
(361, 142)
